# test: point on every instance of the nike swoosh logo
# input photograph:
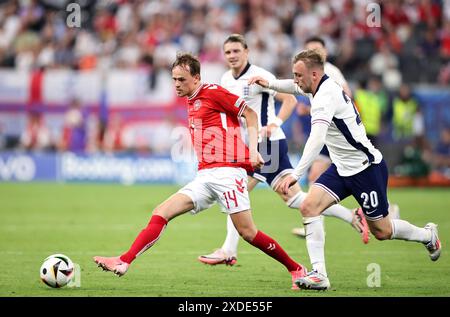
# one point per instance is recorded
(369, 213)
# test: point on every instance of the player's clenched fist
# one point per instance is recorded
(285, 183)
(256, 160)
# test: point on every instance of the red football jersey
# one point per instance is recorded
(215, 128)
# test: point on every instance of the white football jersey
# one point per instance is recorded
(334, 73)
(350, 149)
(260, 99)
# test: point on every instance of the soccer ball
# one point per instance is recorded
(57, 270)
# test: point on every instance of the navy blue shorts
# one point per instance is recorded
(369, 188)
(324, 151)
(277, 164)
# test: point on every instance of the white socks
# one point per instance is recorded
(403, 230)
(294, 202)
(315, 243)
(340, 212)
(337, 211)
(232, 240)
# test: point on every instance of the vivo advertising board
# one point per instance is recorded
(71, 167)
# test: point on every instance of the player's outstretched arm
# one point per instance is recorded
(258, 80)
(287, 86)
(313, 146)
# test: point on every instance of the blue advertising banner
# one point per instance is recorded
(121, 169)
(71, 167)
(25, 167)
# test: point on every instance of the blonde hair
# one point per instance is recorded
(311, 58)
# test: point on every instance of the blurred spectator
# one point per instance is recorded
(93, 133)
(430, 12)
(371, 101)
(430, 53)
(444, 74)
(444, 37)
(112, 138)
(413, 162)
(36, 136)
(307, 22)
(9, 24)
(122, 32)
(394, 14)
(74, 131)
(440, 158)
(382, 60)
(384, 63)
(405, 111)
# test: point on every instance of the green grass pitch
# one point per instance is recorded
(82, 220)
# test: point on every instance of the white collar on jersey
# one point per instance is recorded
(195, 92)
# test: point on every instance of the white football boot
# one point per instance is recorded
(313, 281)
(434, 246)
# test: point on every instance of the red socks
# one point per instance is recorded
(272, 248)
(157, 224)
(146, 238)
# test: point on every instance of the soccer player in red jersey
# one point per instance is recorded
(224, 160)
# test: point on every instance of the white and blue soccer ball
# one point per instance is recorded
(57, 270)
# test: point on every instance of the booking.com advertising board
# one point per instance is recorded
(101, 168)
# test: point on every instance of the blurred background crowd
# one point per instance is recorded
(386, 64)
(132, 34)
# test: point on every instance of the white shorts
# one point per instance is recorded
(225, 185)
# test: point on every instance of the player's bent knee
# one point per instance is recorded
(159, 211)
(381, 229)
(382, 234)
(309, 209)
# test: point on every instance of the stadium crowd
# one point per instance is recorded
(131, 34)
(381, 56)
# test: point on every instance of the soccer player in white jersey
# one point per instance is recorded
(322, 161)
(272, 144)
(357, 169)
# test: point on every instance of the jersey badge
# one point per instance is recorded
(197, 104)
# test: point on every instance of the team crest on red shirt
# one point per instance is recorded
(197, 104)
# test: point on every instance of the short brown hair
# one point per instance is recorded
(187, 59)
(236, 38)
(311, 58)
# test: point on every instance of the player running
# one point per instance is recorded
(224, 160)
(358, 168)
(323, 161)
(272, 145)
